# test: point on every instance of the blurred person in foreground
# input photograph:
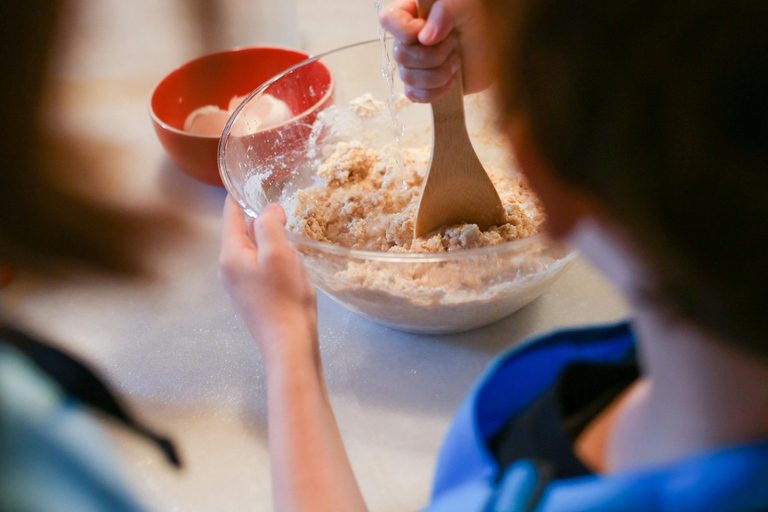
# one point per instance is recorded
(643, 127)
(53, 454)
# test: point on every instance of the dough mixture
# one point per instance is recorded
(364, 194)
(366, 200)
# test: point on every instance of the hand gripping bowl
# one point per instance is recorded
(428, 292)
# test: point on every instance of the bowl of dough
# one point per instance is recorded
(350, 180)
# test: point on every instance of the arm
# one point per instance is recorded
(272, 292)
(428, 52)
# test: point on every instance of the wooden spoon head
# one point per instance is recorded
(456, 189)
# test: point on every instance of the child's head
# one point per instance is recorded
(45, 220)
(657, 110)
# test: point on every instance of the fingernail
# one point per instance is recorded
(426, 34)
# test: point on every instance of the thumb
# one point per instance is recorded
(440, 23)
(274, 213)
(269, 233)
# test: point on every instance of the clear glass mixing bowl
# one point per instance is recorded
(427, 293)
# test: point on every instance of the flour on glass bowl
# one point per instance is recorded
(358, 201)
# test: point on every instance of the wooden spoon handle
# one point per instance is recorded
(449, 109)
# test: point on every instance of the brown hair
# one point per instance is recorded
(659, 110)
(46, 225)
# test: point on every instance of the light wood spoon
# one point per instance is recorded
(457, 189)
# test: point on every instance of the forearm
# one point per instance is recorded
(310, 468)
(272, 291)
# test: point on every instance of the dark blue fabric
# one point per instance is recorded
(511, 383)
(732, 479)
(534, 369)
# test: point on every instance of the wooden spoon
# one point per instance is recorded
(457, 189)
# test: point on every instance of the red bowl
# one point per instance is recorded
(308, 92)
(212, 80)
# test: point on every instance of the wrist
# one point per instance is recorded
(287, 345)
(299, 371)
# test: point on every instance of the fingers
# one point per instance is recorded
(427, 57)
(427, 71)
(239, 250)
(431, 78)
(428, 95)
(273, 213)
(233, 221)
(418, 56)
(440, 24)
(234, 237)
(401, 19)
(269, 232)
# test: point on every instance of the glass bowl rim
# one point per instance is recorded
(296, 240)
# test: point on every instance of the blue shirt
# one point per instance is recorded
(469, 479)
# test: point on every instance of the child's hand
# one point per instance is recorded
(268, 284)
(429, 53)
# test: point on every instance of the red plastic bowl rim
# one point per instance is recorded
(170, 128)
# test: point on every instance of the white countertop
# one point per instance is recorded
(173, 346)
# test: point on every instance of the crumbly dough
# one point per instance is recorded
(366, 199)
(365, 196)
(366, 106)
